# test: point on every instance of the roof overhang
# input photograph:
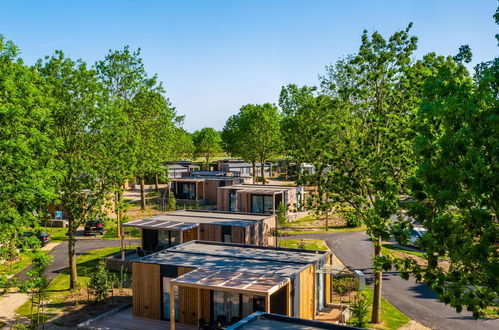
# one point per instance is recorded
(245, 283)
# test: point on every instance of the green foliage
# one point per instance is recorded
(254, 134)
(456, 185)
(360, 309)
(353, 220)
(36, 285)
(26, 151)
(207, 143)
(172, 202)
(281, 214)
(100, 282)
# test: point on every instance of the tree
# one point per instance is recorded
(377, 87)
(254, 134)
(237, 139)
(100, 282)
(78, 126)
(26, 151)
(207, 143)
(36, 285)
(155, 128)
(172, 202)
(311, 127)
(456, 185)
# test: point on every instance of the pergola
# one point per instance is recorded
(236, 282)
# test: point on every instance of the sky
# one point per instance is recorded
(215, 56)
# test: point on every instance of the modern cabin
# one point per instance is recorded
(256, 198)
(200, 282)
(201, 186)
(166, 230)
(244, 169)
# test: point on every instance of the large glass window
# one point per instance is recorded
(226, 306)
(174, 237)
(187, 190)
(166, 299)
(163, 239)
(261, 204)
(232, 201)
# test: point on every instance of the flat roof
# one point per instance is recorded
(236, 258)
(268, 321)
(250, 251)
(205, 178)
(182, 220)
(258, 187)
(231, 281)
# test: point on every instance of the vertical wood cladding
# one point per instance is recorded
(190, 235)
(187, 301)
(237, 235)
(209, 232)
(146, 290)
(307, 293)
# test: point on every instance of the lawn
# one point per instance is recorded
(387, 248)
(58, 291)
(391, 317)
(16, 266)
(57, 234)
(308, 244)
(313, 224)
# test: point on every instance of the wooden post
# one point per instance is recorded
(288, 299)
(267, 304)
(172, 306)
(199, 305)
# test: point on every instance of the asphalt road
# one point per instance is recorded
(83, 245)
(415, 300)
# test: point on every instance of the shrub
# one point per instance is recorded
(353, 220)
(172, 202)
(100, 282)
(360, 310)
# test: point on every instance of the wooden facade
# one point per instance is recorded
(206, 188)
(307, 293)
(146, 290)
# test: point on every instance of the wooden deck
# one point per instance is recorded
(125, 320)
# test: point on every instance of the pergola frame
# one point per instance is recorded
(181, 282)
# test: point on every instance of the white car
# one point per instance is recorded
(415, 235)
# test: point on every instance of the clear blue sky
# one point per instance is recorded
(214, 56)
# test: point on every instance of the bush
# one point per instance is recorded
(353, 220)
(100, 282)
(172, 202)
(360, 310)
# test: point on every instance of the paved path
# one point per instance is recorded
(415, 300)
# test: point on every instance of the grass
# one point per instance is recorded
(330, 230)
(387, 248)
(16, 266)
(391, 317)
(309, 244)
(57, 234)
(58, 290)
(129, 233)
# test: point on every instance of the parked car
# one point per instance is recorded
(93, 227)
(416, 235)
(42, 236)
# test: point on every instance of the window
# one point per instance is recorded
(166, 299)
(187, 190)
(226, 306)
(261, 204)
(232, 201)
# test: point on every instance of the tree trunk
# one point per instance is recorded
(207, 164)
(254, 171)
(376, 310)
(142, 193)
(262, 166)
(156, 183)
(327, 220)
(117, 211)
(73, 274)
